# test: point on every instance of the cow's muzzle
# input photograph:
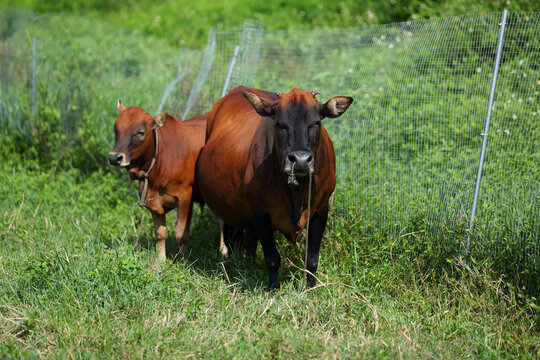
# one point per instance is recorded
(299, 163)
(118, 159)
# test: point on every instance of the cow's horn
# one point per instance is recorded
(279, 93)
(120, 106)
(315, 92)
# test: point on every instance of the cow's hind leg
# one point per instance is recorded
(183, 221)
(263, 227)
(251, 241)
(232, 236)
(316, 231)
(160, 228)
(223, 249)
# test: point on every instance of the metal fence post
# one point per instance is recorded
(231, 67)
(33, 76)
(486, 128)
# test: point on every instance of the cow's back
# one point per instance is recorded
(180, 144)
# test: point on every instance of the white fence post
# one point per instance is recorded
(486, 128)
(231, 68)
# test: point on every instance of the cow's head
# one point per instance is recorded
(297, 119)
(132, 131)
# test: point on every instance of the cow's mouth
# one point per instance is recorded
(296, 169)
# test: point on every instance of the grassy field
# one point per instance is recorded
(70, 286)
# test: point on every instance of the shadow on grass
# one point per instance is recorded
(246, 273)
(203, 255)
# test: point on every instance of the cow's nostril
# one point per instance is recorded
(301, 161)
(292, 158)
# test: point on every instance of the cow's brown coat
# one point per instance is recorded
(171, 181)
(241, 172)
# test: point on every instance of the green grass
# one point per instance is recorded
(70, 286)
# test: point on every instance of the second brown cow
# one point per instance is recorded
(165, 151)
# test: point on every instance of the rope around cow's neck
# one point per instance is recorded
(307, 231)
(144, 198)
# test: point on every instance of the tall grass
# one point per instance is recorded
(71, 286)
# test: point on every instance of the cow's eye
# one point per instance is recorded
(141, 133)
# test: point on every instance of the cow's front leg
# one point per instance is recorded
(183, 221)
(317, 226)
(160, 228)
(263, 228)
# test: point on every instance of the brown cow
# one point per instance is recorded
(253, 172)
(171, 179)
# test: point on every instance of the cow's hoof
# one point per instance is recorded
(183, 249)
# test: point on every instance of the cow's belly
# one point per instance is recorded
(228, 207)
(221, 188)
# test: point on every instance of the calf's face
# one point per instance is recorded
(297, 119)
(131, 131)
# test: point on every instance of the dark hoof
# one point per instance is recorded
(273, 285)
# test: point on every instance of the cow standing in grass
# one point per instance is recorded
(254, 170)
(171, 178)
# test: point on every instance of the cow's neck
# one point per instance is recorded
(142, 164)
(297, 197)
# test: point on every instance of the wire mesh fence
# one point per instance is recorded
(407, 149)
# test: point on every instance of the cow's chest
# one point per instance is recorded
(289, 222)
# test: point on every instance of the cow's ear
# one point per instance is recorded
(336, 106)
(120, 106)
(261, 105)
(159, 120)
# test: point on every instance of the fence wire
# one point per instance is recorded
(407, 149)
